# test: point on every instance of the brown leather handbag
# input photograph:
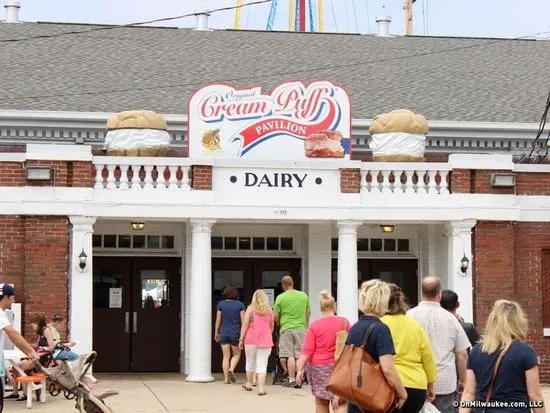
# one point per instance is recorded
(357, 378)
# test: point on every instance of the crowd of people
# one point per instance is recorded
(428, 353)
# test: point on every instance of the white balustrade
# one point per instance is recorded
(405, 178)
(141, 173)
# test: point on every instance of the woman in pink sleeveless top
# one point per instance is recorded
(257, 340)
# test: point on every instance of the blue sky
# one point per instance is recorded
(484, 18)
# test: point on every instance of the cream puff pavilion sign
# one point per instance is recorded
(294, 122)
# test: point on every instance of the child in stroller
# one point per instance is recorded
(73, 378)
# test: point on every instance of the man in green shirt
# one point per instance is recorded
(292, 312)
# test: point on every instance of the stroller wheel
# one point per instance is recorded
(69, 395)
(53, 389)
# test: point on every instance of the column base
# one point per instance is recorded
(200, 378)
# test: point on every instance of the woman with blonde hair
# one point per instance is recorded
(318, 353)
(257, 340)
(414, 358)
(517, 372)
(373, 303)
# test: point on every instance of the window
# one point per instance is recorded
(252, 243)
(258, 243)
(216, 243)
(230, 243)
(244, 243)
(403, 245)
(363, 244)
(286, 244)
(272, 243)
(97, 240)
(377, 245)
(124, 241)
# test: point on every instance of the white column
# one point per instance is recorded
(81, 284)
(319, 257)
(200, 312)
(347, 270)
(459, 244)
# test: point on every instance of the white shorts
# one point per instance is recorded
(257, 358)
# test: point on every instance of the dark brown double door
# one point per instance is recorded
(402, 272)
(248, 275)
(136, 314)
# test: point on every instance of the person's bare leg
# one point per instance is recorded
(284, 364)
(235, 358)
(342, 408)
(226, 349)
(321, 405)
(249, 379)
(291, 366)
(261, 382)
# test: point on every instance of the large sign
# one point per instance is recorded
(294, 122)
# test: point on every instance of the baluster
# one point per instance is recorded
(136, 180)
(111, 180)
(409, 185)
(148, 181)
(422, 187)
(386, 185)
(123, 177)
(374, 185)
(399, 186)
(364, 186)
(444, 186)
(162, 182)
(185, 170)
(99, 184)
(173, 181)
(432, 185)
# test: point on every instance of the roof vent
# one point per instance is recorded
(383, 25)
(202, 19)
(12, 10)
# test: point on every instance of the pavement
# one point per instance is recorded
(162, 393)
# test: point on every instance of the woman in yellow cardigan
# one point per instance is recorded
(414, 358)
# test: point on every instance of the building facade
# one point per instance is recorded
(92, 236)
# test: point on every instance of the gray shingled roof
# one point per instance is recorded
(466, 79)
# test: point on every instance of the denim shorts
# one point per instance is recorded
(229, 339)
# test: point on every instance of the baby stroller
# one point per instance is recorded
(279, 376)
(71, 376)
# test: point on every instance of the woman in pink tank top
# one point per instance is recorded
(317, 356)
(257, 340)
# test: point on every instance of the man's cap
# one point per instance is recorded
(6, 290)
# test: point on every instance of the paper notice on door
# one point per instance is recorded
(115, 297)
(270, 292)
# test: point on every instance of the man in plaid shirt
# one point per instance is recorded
(449, 343)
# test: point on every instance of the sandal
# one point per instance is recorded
(262, 394)
(21, 399)
(232, 377)
(11, 396)
(247, 388)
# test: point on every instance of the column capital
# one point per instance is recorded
(348, 226)
(80, 222)
(462, 227)
(203, 225)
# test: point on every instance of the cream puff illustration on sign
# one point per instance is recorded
(296, 121)
(398, 136)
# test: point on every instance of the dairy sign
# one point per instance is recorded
(294, 122)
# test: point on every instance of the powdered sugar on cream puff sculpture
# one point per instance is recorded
(137, 133)
(398, 136)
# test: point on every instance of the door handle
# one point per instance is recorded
(127, 322)
(135, 322)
